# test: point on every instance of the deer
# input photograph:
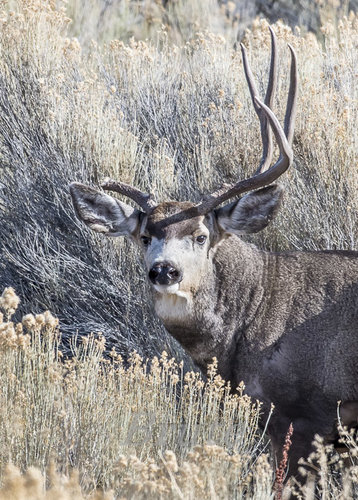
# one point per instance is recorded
(284, 323)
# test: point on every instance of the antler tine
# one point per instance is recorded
(266, 134)
(291, 107)
(144, 200)
(283, 138)
(272, 83)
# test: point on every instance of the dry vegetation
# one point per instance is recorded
(144, 430)
(95, 427)
(171, 114)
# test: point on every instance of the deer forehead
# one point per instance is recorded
(174, 220)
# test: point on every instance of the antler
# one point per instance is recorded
(144, 200)
(268, 122)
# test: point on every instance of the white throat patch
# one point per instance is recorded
(173, 306)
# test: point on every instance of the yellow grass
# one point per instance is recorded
(92, 427)
(142, 429)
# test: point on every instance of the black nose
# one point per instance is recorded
(164, 274)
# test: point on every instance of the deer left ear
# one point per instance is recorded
(252, 213)
(103, 213)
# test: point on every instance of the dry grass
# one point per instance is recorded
(144, 429)
(171, 114)
(95, 427)
(176, 119)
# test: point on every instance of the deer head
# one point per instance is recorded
(177, 238)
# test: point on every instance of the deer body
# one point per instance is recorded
(286, 324)
(259, 298)
(283, 323)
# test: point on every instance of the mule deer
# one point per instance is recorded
(284, 323)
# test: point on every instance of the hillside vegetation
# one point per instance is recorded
(155, 97)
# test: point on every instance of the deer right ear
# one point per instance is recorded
(103, 213)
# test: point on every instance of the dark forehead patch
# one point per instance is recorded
(173, 219)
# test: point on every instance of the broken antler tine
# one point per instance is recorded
(144, 200)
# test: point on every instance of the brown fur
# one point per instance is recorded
(173, 219)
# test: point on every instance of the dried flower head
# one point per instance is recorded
(9, 302)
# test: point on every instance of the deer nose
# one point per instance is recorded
(164, 274)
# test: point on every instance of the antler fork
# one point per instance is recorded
(144, 200)
(268, 122)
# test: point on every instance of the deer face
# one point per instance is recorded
(175, 251)
(177, 243)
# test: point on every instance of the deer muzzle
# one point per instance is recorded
(163, 273)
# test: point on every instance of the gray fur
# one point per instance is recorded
(252, 213)
(102, 213)
(284, 323)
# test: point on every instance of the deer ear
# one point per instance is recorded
(103, 213)
(252, 212)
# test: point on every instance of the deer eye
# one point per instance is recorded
(201, 239)
(146, 240)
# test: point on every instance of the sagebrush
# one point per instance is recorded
(155, 97)
(176, 120)
(91, 427)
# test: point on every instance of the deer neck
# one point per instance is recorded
(208, 321)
